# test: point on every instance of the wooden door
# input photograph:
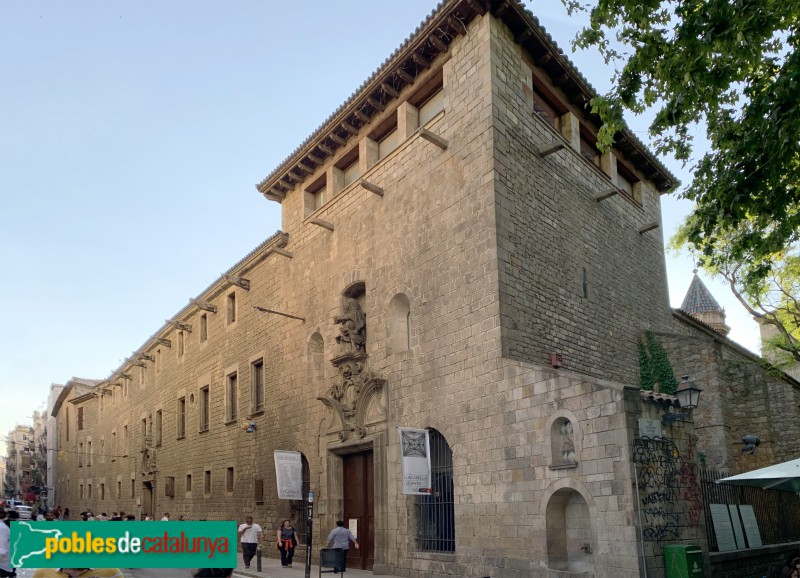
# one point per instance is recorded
(359, 512)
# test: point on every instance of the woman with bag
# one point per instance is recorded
(287, 540)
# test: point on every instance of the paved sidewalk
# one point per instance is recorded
(271, 568)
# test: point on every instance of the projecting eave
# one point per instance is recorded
(410, 61)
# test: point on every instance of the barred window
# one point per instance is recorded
(299, 508)
(436, 513)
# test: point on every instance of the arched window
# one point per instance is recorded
(436, 513)
(316, 357)
(399, 324)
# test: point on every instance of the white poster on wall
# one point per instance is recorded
(415, 449)
(289, 475)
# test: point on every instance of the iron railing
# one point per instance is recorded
(777, 513)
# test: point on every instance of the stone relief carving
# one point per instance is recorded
(356, 386)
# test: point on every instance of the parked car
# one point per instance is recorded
(25, 512)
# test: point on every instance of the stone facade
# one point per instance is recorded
(464, 281)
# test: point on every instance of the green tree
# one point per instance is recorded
(732, 67)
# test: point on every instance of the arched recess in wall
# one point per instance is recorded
(563, 440)
(315, 357)
(569, 532)
(398, 328)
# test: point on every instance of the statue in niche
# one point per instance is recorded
(567, 443)
(353, 331)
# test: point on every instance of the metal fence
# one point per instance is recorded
(778, 513)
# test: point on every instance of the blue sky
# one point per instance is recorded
(132, 136)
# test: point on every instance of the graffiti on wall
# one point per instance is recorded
(669, 493)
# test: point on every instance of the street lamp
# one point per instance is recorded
(688, 399)
(309, 528)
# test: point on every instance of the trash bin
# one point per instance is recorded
(332, 558)
(684, 560)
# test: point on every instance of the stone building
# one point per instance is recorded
(20, 447)
(455, 255)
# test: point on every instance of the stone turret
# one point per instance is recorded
(700, 304)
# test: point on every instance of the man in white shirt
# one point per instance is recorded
(166, 517)
(251, 536)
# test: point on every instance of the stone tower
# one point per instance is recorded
(700, 304)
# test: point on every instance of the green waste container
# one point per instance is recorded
(684, 561)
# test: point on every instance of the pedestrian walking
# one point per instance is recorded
(287, 541)
(340, 538)
(251, 536)
(165, 518)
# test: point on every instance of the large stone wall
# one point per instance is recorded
(550, 229)
(740, 397)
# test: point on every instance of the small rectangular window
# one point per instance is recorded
(188, 482)
(257, 381)
(113, 446)
(231, 307)
(433, 106)
(204, 408)
(124, 440)
(88, 453)
(80, 418)
(351, 173)
(229, 480)
(169, 486)
(81, 490)
(232, 394)
(102, 491)
(158, 427)
(207, 482)
(119, 489)
(388, 144)
(203, 327)
(80, 454)
(258, 490)
(181, 344)
(181, 417)
(133, 488)
(143, 434)
(89, 491)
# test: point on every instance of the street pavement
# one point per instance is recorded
(270, 568)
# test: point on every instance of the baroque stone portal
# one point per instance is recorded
(356, 385)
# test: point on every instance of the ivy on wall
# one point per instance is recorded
(655, 370)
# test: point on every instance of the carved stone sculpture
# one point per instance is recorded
(353, 331)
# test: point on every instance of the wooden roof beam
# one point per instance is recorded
(421, 60)
(376, 104)
(337, 139)
(405, 76)
(390, 90)
(349, 128)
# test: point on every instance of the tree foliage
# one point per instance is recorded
(732, 67)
